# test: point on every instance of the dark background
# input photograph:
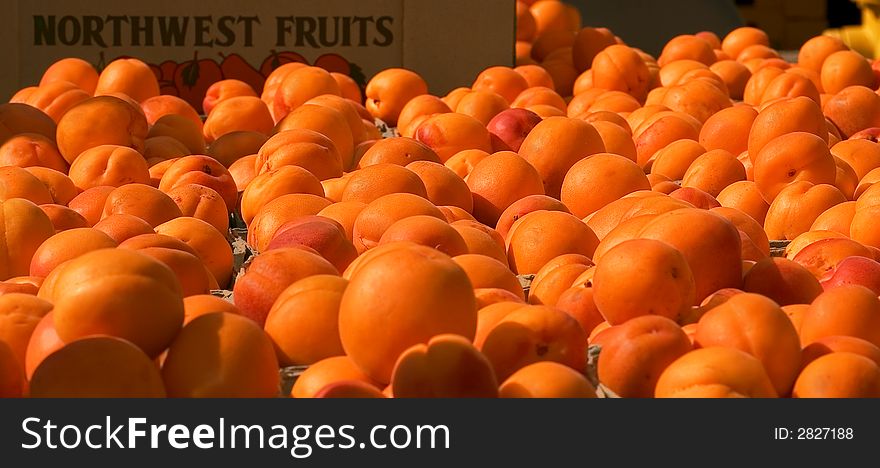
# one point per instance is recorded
(648, 24)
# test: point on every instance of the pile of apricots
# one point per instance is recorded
(594, 221)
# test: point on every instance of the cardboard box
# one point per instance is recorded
(191, 42)
(812, 9)
(799, 31)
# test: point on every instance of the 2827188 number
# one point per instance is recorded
(824, 433)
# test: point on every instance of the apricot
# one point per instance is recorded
(131, 77)
(104, 278)
(325, 372)
(390, 90)
(713, 172)
(533, 334)
(618, 67)
(268, 274)
(208, 244)
(202, 202)
(593, 182)
(233, 146)
(24, 227)
(159, 106)
(142, 201)
(65, 246)
(31, 149)
(710, 243)
(447, 366)
(221, 355)
(797, 206)
(793, 157)
(73, 70)
(540, 236)
(299, 85)
(275, 183)
(102, 120)
(97, 367)
(846, 68)
(372, 182)
(839, 375)
(546, 379)
(303, 321)
(669, 293)
(203, 304)
(571, 141)
(279, 211)
(499, 180)
(715, 372)
(635, 354)
(410, 319)
(813, 52)
(449, 133)
(848, 310)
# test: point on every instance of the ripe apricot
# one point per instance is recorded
(797, 206)
(128, 76)
(487, 272)
(97, 367)
(848, 310)
(102, 120)
(181, 129)
(374, 181)
(428, 231)
(104, 278)
(740, 38)
(715, 372)
(852, 109)
(199, 201)
(846, 68)
(234, 145)
(303, 321)
(159, 106)
(571, 140)
(275, 183)
(30, 149)
(221, 355)
(798, 114)
(447, 366)
(593, 182)
(449, 133)
(813, 52)
(299, 85)
(793, 157)
(713, 172)
(203, 304)
(65, 246)
(499, 180)
(397, 150)
(325, 372)
(546, 379)
(540, 236)
(669, 293)
(390, 90)
(73, 70)
(532, 334)
(839, 375)
(710, 243)
(635, 354)
(619, 67)
(142, 201)
(756, 325)
(412, 318)
(745, 197)
(240, 113)
(279, 211)
(268, 274)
